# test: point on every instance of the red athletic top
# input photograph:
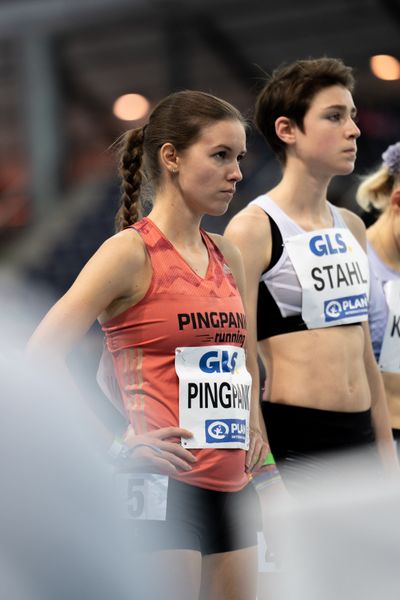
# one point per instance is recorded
(180, 308)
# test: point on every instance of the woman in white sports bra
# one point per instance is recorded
(380, 190)
(308, 279)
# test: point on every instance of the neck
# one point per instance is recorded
(382, 237)
(177, 222)
(302, 194)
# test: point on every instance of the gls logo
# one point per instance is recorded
(322, 245)
(218, 361)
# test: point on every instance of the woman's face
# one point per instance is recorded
(328, 144)
(209, 170)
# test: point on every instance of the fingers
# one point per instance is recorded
(250, 454)
(163, 433)
(150, 452)
(261, 457)
(159, 443)
(153, 464)
(170, 432)
(256, 453)
(178, 462)
(178, 451)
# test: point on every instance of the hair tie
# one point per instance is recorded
(391, 158)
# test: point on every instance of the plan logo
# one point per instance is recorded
(225, 430)
(349, 306)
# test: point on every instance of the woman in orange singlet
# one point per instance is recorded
(167, 296)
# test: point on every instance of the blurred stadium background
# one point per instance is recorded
(63, 64)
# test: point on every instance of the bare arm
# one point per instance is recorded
(379, 408)
(250, 232)
(102, 283)
(116, 277)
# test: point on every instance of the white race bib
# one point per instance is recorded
(142, 495)
(389, 359)
(214, 396)
(333, 272)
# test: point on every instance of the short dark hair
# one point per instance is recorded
(290, 90)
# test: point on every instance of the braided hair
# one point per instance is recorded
(130, 163)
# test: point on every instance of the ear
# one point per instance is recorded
(168, 157)
(285, 130)
(395, 199)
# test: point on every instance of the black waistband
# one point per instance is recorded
(309, 430)
(396, 434)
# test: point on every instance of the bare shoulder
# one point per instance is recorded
(250, 224)
(126, 246)
(110, 273)
(113, 279)
(355, 224)
(250, 231)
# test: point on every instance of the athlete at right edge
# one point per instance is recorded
(308, 280)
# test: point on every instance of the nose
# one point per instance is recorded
(353, 130)
(236, 173)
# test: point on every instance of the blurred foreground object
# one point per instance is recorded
(341, 539)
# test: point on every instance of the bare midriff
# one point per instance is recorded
(320, 368)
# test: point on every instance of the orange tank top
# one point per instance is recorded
(179, 309)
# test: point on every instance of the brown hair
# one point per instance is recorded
(178, 119)
(289, 92)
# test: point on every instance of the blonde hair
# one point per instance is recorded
(375, 190)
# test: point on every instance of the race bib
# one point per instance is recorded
(333, 272)
(389, 359)
(142, 496)
(214, 396)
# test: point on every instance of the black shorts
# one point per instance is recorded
(306, 442)
(396, 437)
(199, 519)
(396, 434)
